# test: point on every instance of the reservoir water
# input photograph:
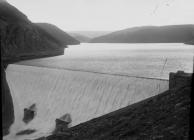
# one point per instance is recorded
(146, 60)
(91, 80)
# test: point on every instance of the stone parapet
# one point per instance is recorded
(179, 79)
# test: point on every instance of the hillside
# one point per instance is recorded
(149, 34)
(20, 39)
(56, 32)
(162, 117)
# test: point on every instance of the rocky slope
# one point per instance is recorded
(20, 39)
(149, 34)
(62, 36)
(162, 117)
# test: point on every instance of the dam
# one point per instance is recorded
(89, 81)
(84, 95)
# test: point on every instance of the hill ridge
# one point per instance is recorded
(149, 34)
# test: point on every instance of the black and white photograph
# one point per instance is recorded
(96, 69)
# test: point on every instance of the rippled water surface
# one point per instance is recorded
(147, 60)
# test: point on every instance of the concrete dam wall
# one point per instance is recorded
(84, 95)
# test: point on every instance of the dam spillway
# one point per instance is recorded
(84, 95)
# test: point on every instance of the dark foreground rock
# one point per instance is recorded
(162, 117)
(29, 113)
(7, 103)
(26, 132)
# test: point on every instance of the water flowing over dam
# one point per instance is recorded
(84, 95)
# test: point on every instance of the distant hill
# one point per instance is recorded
(56, 32)
(90, 34)
(149, 34)
(80, 37)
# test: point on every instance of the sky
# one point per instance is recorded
(107, 15)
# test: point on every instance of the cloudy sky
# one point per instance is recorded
(107, 14)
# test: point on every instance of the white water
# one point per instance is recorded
(84, 95)
(89, 82)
